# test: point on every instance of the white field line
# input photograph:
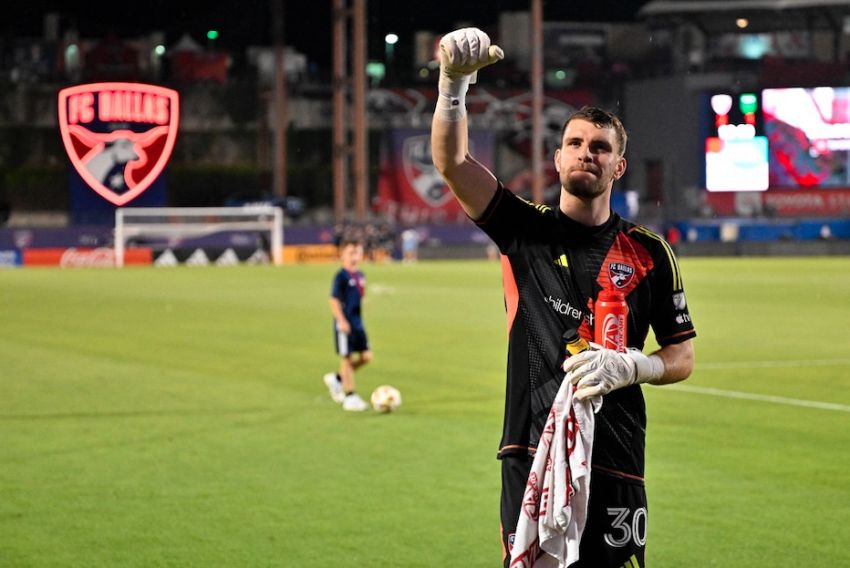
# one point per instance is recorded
(773, 364)
(761, 397)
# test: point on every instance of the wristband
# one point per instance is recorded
(451, 98)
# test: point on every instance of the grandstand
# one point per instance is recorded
(224, 154)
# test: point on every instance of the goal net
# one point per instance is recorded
(168, 227)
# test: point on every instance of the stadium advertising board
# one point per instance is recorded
(784, 152)
(9, 258)
(736, 154)
(83, 257)
(809, 136)
(118, 136)
(785, 202)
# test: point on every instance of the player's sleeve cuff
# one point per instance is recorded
(487, 215)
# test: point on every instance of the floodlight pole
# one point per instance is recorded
(358, 150)
(360, 172)
(340, 86)
(537, 181)
(280, 118)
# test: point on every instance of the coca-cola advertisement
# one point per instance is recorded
(83, 257)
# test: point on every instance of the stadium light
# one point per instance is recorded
(721, 104)
(389, 43)
(159, 50)
(742, 23)
(376, 70)
(748, 103)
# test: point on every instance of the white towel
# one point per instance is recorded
(554, 507)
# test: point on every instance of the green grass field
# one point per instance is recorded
(176, 417)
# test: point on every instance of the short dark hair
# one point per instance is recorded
(350, 241)
(603, 119)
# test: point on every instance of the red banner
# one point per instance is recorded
(783, 203)
(410, 190)
(84, 257)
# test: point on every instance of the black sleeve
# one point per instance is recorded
(671, 320)
(510, 220)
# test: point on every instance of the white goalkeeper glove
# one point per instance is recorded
(462, 53)
(598, 371)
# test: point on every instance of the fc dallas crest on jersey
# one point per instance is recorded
(119, 136)
(620, 273)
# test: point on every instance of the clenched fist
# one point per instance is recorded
(465, 51)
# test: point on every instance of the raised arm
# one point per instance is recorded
(462, 53)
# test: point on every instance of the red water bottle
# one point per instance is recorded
(611, 320)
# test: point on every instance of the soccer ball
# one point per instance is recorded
(386, 398)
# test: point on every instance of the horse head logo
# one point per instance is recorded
(119, 136)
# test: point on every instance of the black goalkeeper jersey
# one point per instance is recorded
(552, 270)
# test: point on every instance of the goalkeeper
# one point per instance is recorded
(555, 261)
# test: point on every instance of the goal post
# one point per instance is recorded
(194, 222)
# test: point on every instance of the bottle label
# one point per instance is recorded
(613, 334)
(577, 346)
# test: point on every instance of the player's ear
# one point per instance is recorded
(558, 160)
(621, 168)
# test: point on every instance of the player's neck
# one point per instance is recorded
(590, 212)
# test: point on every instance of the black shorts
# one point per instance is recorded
(354, 342)
(615, 533)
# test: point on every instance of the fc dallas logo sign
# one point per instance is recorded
(119, 136)
(421, 174)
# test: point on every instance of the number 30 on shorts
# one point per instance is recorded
(626, 527)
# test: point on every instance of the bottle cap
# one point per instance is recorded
(610, 296)
(574, 342)
(570, 335)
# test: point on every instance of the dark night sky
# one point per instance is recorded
(307, 22)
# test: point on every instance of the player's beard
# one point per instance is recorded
(583, 186)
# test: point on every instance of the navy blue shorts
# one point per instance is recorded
(354, 342)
